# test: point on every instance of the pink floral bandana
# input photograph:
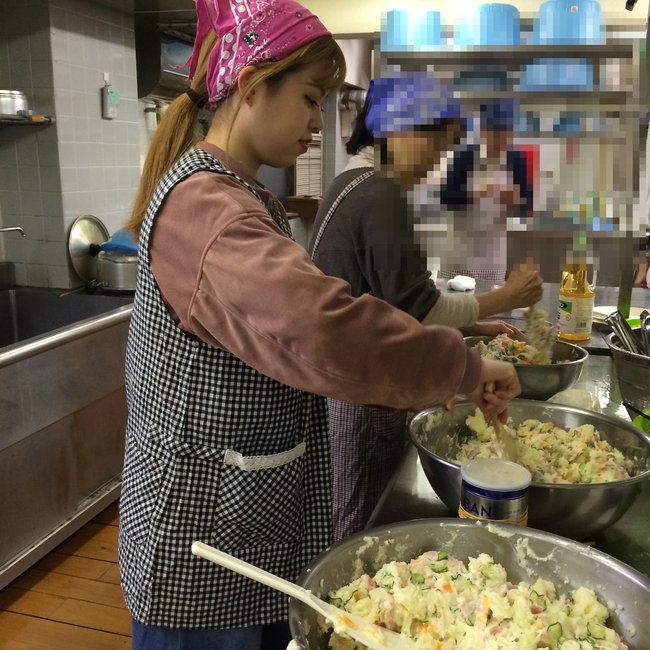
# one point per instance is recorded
(249, 31)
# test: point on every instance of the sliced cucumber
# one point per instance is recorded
(417, 578)
(554, 631)
(536, 598)
(443, 555)
(596, 631)
(470, 620)
(439, 567)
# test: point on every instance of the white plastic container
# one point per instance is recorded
(494, 489)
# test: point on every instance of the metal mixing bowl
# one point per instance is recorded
(573, 510)
(526, 554)
(633, 372)
(541, 381)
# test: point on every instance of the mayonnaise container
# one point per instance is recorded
(494, 489)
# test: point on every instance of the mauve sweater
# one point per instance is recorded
(233, 279)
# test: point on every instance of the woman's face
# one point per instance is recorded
(277, 121)
(411, 154)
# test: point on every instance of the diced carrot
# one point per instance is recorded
(346, 621)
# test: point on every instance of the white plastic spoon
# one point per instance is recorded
(371, 635)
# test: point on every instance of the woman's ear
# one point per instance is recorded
(243, 79)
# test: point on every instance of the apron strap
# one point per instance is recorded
(330, 213)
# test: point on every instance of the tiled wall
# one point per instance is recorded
(57, 53)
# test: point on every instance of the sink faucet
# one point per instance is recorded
(12, 229)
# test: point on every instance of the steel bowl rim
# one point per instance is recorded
(561, 407)
(610, 342)
(581, 351)
(507, 530)
(317, 566)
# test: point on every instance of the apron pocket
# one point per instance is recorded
(145, 469)
(261, 499)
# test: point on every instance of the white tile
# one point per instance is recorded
(50, 178)
(20, 272)
(52, 204)
(39, 45)
(15, 248)
(8, 177)
(31, 202)
(63, 102)
(54, 229)
(62, 76)
(10, 202)
(81, 129)
(68, 154)
(27, 151)
(33, 227)
(18, 47)
(29, 179)
(55, 252)
(62, 277)
(69, 181)
(58, 18)
(36, 275)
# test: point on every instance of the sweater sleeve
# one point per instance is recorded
(255, 293)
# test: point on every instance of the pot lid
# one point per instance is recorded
(85, 231)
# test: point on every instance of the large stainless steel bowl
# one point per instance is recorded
(525, 553)
(577, 510)
(541, 381)
(633, 372)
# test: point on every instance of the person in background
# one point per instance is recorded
(643, 272)
(485, 185)
(236, 338)
(363, 233)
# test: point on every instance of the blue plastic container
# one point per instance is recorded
(569, 22)
(394, 30)
(563, 74)
(491, 24)
(404, 30)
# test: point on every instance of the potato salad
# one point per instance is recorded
(442, 603)
(551, 454)
(504, 348)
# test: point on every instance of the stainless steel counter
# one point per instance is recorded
(409, 495)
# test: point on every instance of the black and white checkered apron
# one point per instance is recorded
(217, 452)
(366, 443)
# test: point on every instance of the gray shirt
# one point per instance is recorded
(369, 242)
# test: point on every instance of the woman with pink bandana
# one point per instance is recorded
(236, 339)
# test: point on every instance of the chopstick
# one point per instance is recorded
(636, 410)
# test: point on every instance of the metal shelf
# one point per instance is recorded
(619, 101)
(30, 120)
(515, 53)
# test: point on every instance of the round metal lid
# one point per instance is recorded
(86, 230)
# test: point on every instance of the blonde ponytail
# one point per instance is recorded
(177, 132)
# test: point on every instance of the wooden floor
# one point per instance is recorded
(71, 599)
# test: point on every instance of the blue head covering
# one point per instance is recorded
(499, 114)
(405, 102)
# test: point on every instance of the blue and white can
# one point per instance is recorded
(494, 489)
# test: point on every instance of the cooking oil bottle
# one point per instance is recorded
(575, 313)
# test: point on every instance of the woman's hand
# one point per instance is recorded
(524, 287)
(506, 387)
(493, 328)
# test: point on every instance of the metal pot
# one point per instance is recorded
(117, 271)
(12, 101)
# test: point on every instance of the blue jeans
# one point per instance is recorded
(275, 636)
